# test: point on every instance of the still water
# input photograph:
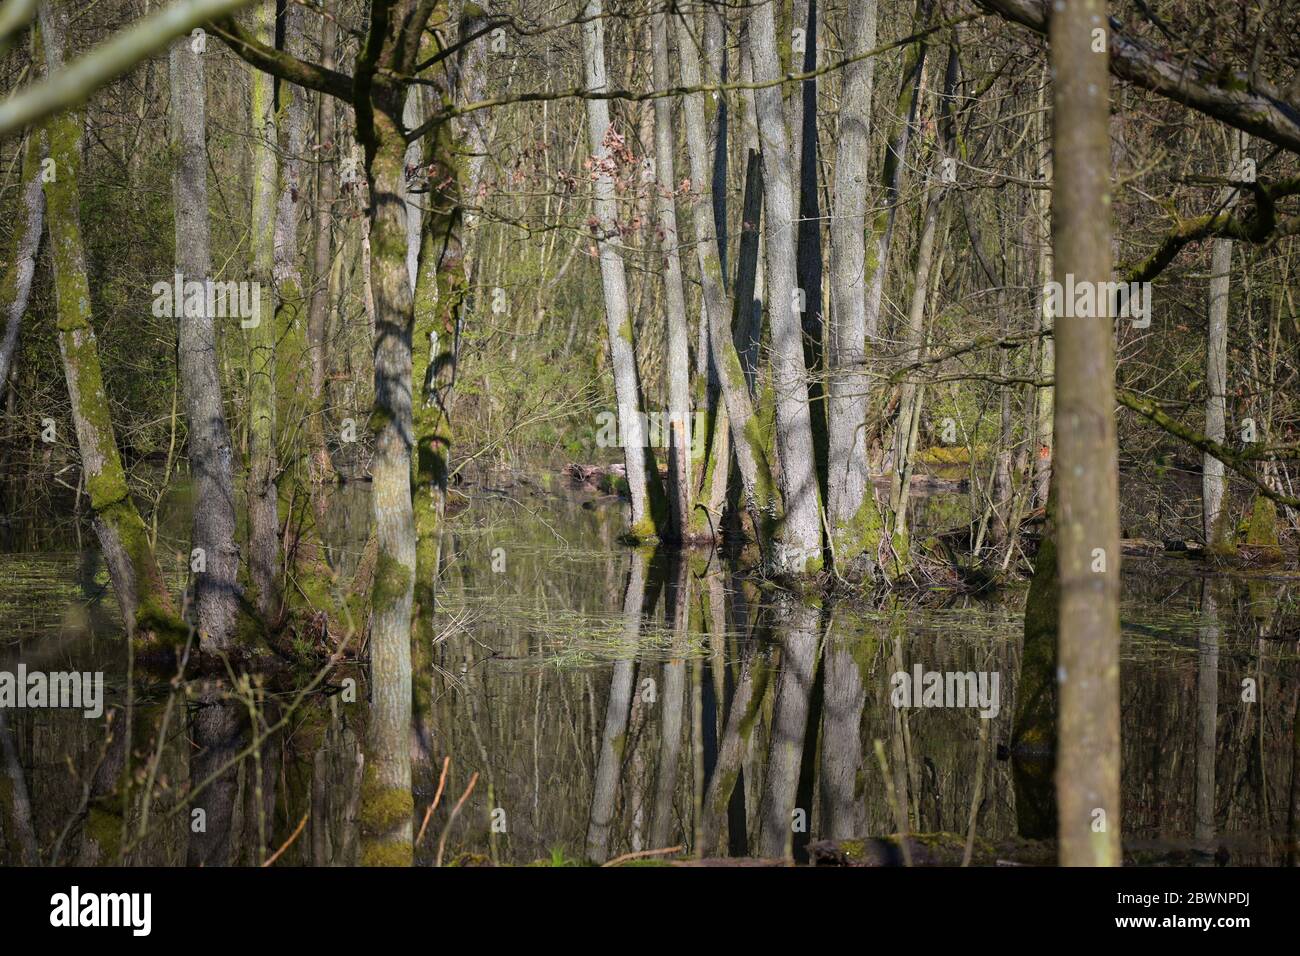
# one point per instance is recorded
(582, 701)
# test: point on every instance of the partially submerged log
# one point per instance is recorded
(948, 849)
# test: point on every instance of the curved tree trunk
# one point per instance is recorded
(137, 580)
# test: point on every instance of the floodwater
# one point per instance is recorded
(590, 702)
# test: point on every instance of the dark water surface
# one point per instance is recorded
(610, 700)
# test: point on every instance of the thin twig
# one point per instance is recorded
(642, 853)
(442, 840)
(289, 842)
(442, 782)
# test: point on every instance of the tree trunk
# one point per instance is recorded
(850, 500)
(618, 321)
(609, 765)
(1213, 485)
(797, 547)
(1047, 344)
(17, 284)
(264, 557)
(137, 580)
(747, 442)
(679, 360)
(216, 588)
(1088, 555)
(322, 467)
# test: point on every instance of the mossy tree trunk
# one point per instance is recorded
(386, 801)
(265, 560)
(746, 440)
(137, 580)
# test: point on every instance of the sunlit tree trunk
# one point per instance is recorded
(797, 546)
(746, 440)
(1088, 556)
(618, 320)
(1047, 346)
(137, 580)
(679, 362)
(386, 825)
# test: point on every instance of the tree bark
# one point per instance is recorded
(746, 440)
(850, 500)
(264, 555)
(679, 360)
(1088, 555)
(797, 544)
(137, 580)
(322, 467)
(17, 284)
(1213, 485)
(216, 588)
(618, 321)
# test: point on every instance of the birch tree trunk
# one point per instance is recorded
(17, 284)
(618, 321)
(797, 545)
(679, 361)
(1213, 485)
(1088, 555)
(216, 588)
(137, 580)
